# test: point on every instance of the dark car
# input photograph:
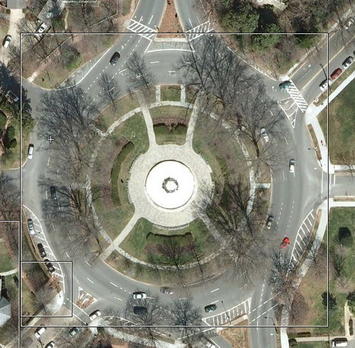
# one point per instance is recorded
(53, 192)
(114, 58)
(210, 308)
(166, 290)
(41, 250)
(140, 310)
(51, 344)
(73, 331)
(335, 74)
(285, 84)
(49, 266)
(347, 62)
(269, 221)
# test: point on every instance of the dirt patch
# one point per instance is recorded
(170, 22)
(237, 337)
(315, 142)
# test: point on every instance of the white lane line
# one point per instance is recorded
(117, 298)
(114, 285)
(214, 302)
(90, 280)
(155, 62)
(151, 18)
(214, 290)
(48, 161)
(264, 312)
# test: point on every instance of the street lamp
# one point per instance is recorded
(230, 322)
(273, 323)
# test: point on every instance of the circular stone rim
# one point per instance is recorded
(190, 195)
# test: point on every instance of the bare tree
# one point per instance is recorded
(109, 89)
(9, 199)
(139, 74)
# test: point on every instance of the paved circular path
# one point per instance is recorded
(172, 214)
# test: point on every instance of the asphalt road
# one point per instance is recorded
(293, 195)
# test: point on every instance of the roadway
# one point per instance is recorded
(293, 195)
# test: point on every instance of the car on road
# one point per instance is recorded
(41, 250)
(49, 266)
(210, 308)
(31, 228)
(139, 295)
(95, 314)
(340, 342)
(285, 85)
(7, 41)
(285, 242)
(291, 165)
(114, 58)
(30, 151)
(324, 85)
(269, 221)
(51, 344)
(140, 310)
(39, 331)
(347, 62)
(349, 22)
(53, 192)
(73, 331)
(335, 74)
(166, 290)
(264, 135)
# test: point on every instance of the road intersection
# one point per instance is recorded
(295, 197)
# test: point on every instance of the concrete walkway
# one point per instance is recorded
(13, 271)
(192, 122)
(147, 119)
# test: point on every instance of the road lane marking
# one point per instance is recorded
(214, 302)
(90, 280)
(114, 285)
(155, 62)
(117, 298)
(214, 290)
(48, 161)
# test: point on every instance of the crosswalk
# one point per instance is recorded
(296, 95)
(303, 237)
(199, 30)
(141, 29)
(227, 316)
(290, 108)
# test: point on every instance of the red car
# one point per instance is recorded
(335, 74)
(285, 242)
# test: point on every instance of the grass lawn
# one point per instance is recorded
(175, 135)
(6, 263)
(341, 140)
(110, 115)
(170, 93)
(126, 6)
(143, 240)
(111, 173)
(170, 113)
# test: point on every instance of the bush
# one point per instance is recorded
(345, 237)
(328, 297)
(2, 120)
(351, 301)
(292, 342)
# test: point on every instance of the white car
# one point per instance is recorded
(41, 29)
(39, 331)
(324, 85)
(349, 22)
(264, 135)
(30, 151)
(7, 41)
(139, 295)
(291, 165)
(95, 315)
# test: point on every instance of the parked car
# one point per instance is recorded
(11, 97)
(140, 310)
(166, 290)
(285, 242)
(39, 331)
(264, 135)
(30, 151)
(324, 85)
(139, 295)
(349, 22)
(269, 221)
(41, 250)
(49, 266)
(30, 226)
(340, 342)
(285, 84)
(291, 165)
(51, 344)
(73, 331)
(41, 29)
(347, 62)
(114, 58)
(95, 314)
(7, 41)
(335, 74)
(53, 192)
(210, 308)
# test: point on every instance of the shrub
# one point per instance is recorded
(345, 237)
(351, 301)
(2, 120)
(331, 300)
